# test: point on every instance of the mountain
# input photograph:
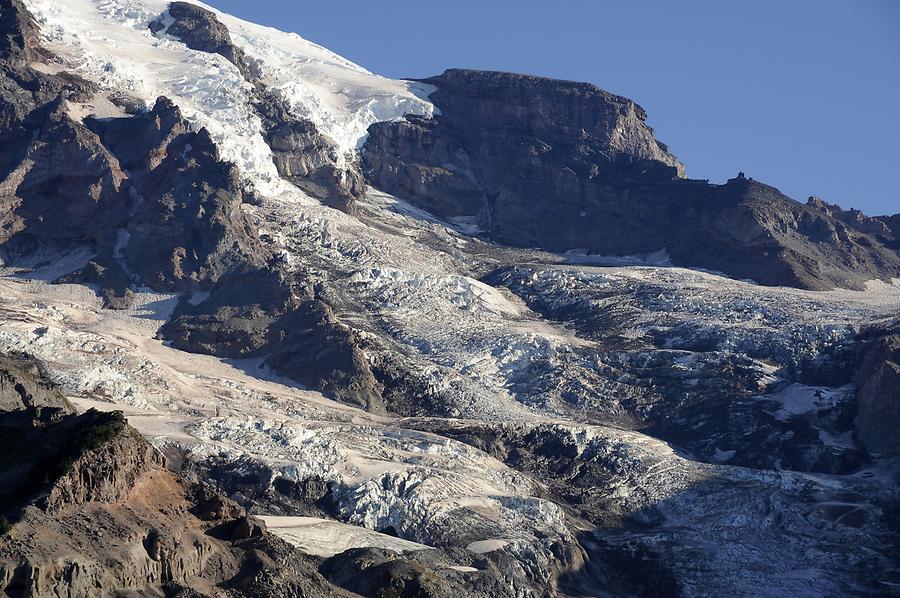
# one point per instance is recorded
(564, 166)
(271, 324)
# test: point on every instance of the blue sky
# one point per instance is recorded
(801, 94)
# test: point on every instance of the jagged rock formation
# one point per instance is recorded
(886, 229)
(559, 165)
(185, 229)
(200, 30)
(24, 388)
(20, 38)
(64, 185)
(878, 391)
(263, 313)
(301, 153)
(110, 518)
(307, 158)
(506, 422)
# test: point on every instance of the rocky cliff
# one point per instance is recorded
(421, 385)
(878, 394)
(302, 154)
(566, 166)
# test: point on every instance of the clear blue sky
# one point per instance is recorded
(801, 94)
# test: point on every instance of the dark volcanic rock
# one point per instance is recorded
(302, 154)
(94, 511)
(201, 30)
(307, 158)
(19, 34)
(886, 229)
(26, 388)
(186, 228)
(147, 193)
(65, 188)
(423, 574)
(559, 165)
(878, 392)
(113, 282)
(262, 313)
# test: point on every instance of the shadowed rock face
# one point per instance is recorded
(19, 34)
(185, 228)
(553, 111)
(150, 196)
(90, 509)
(307, 158)
(201, 30)
(26, 389)
(878, 392)
(263, 313)
(886, 229)
(563, 166)
(64, 186)
(155, 202)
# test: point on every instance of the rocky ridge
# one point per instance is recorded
(564, 166)
(540, 383)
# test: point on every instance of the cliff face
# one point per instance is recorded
(878, 392)
(566, 166)
(508, 147)
(560, 113)
(25, 389)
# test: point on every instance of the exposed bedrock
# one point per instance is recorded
(565, 166)
(262, 313)
(185, 227)
(151, 197)
(89, 509)
(307, 158)
(201, 30)
(878, 392)
(26, 389)
(61, 187)
(147, 194)
(302, 154)
(19, 34)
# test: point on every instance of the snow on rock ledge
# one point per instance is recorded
(108, 41)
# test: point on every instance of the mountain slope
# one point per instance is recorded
(189, 237)
(565, 166)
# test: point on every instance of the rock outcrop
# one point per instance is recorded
(185, 228)
(19, 34)
(64, 187)
(302, 154)
(201, 30)
(263, 313)
(89, 508)
(25, 388)
(565, 166)
(307, 158)
(148, 194)
(878, 392)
